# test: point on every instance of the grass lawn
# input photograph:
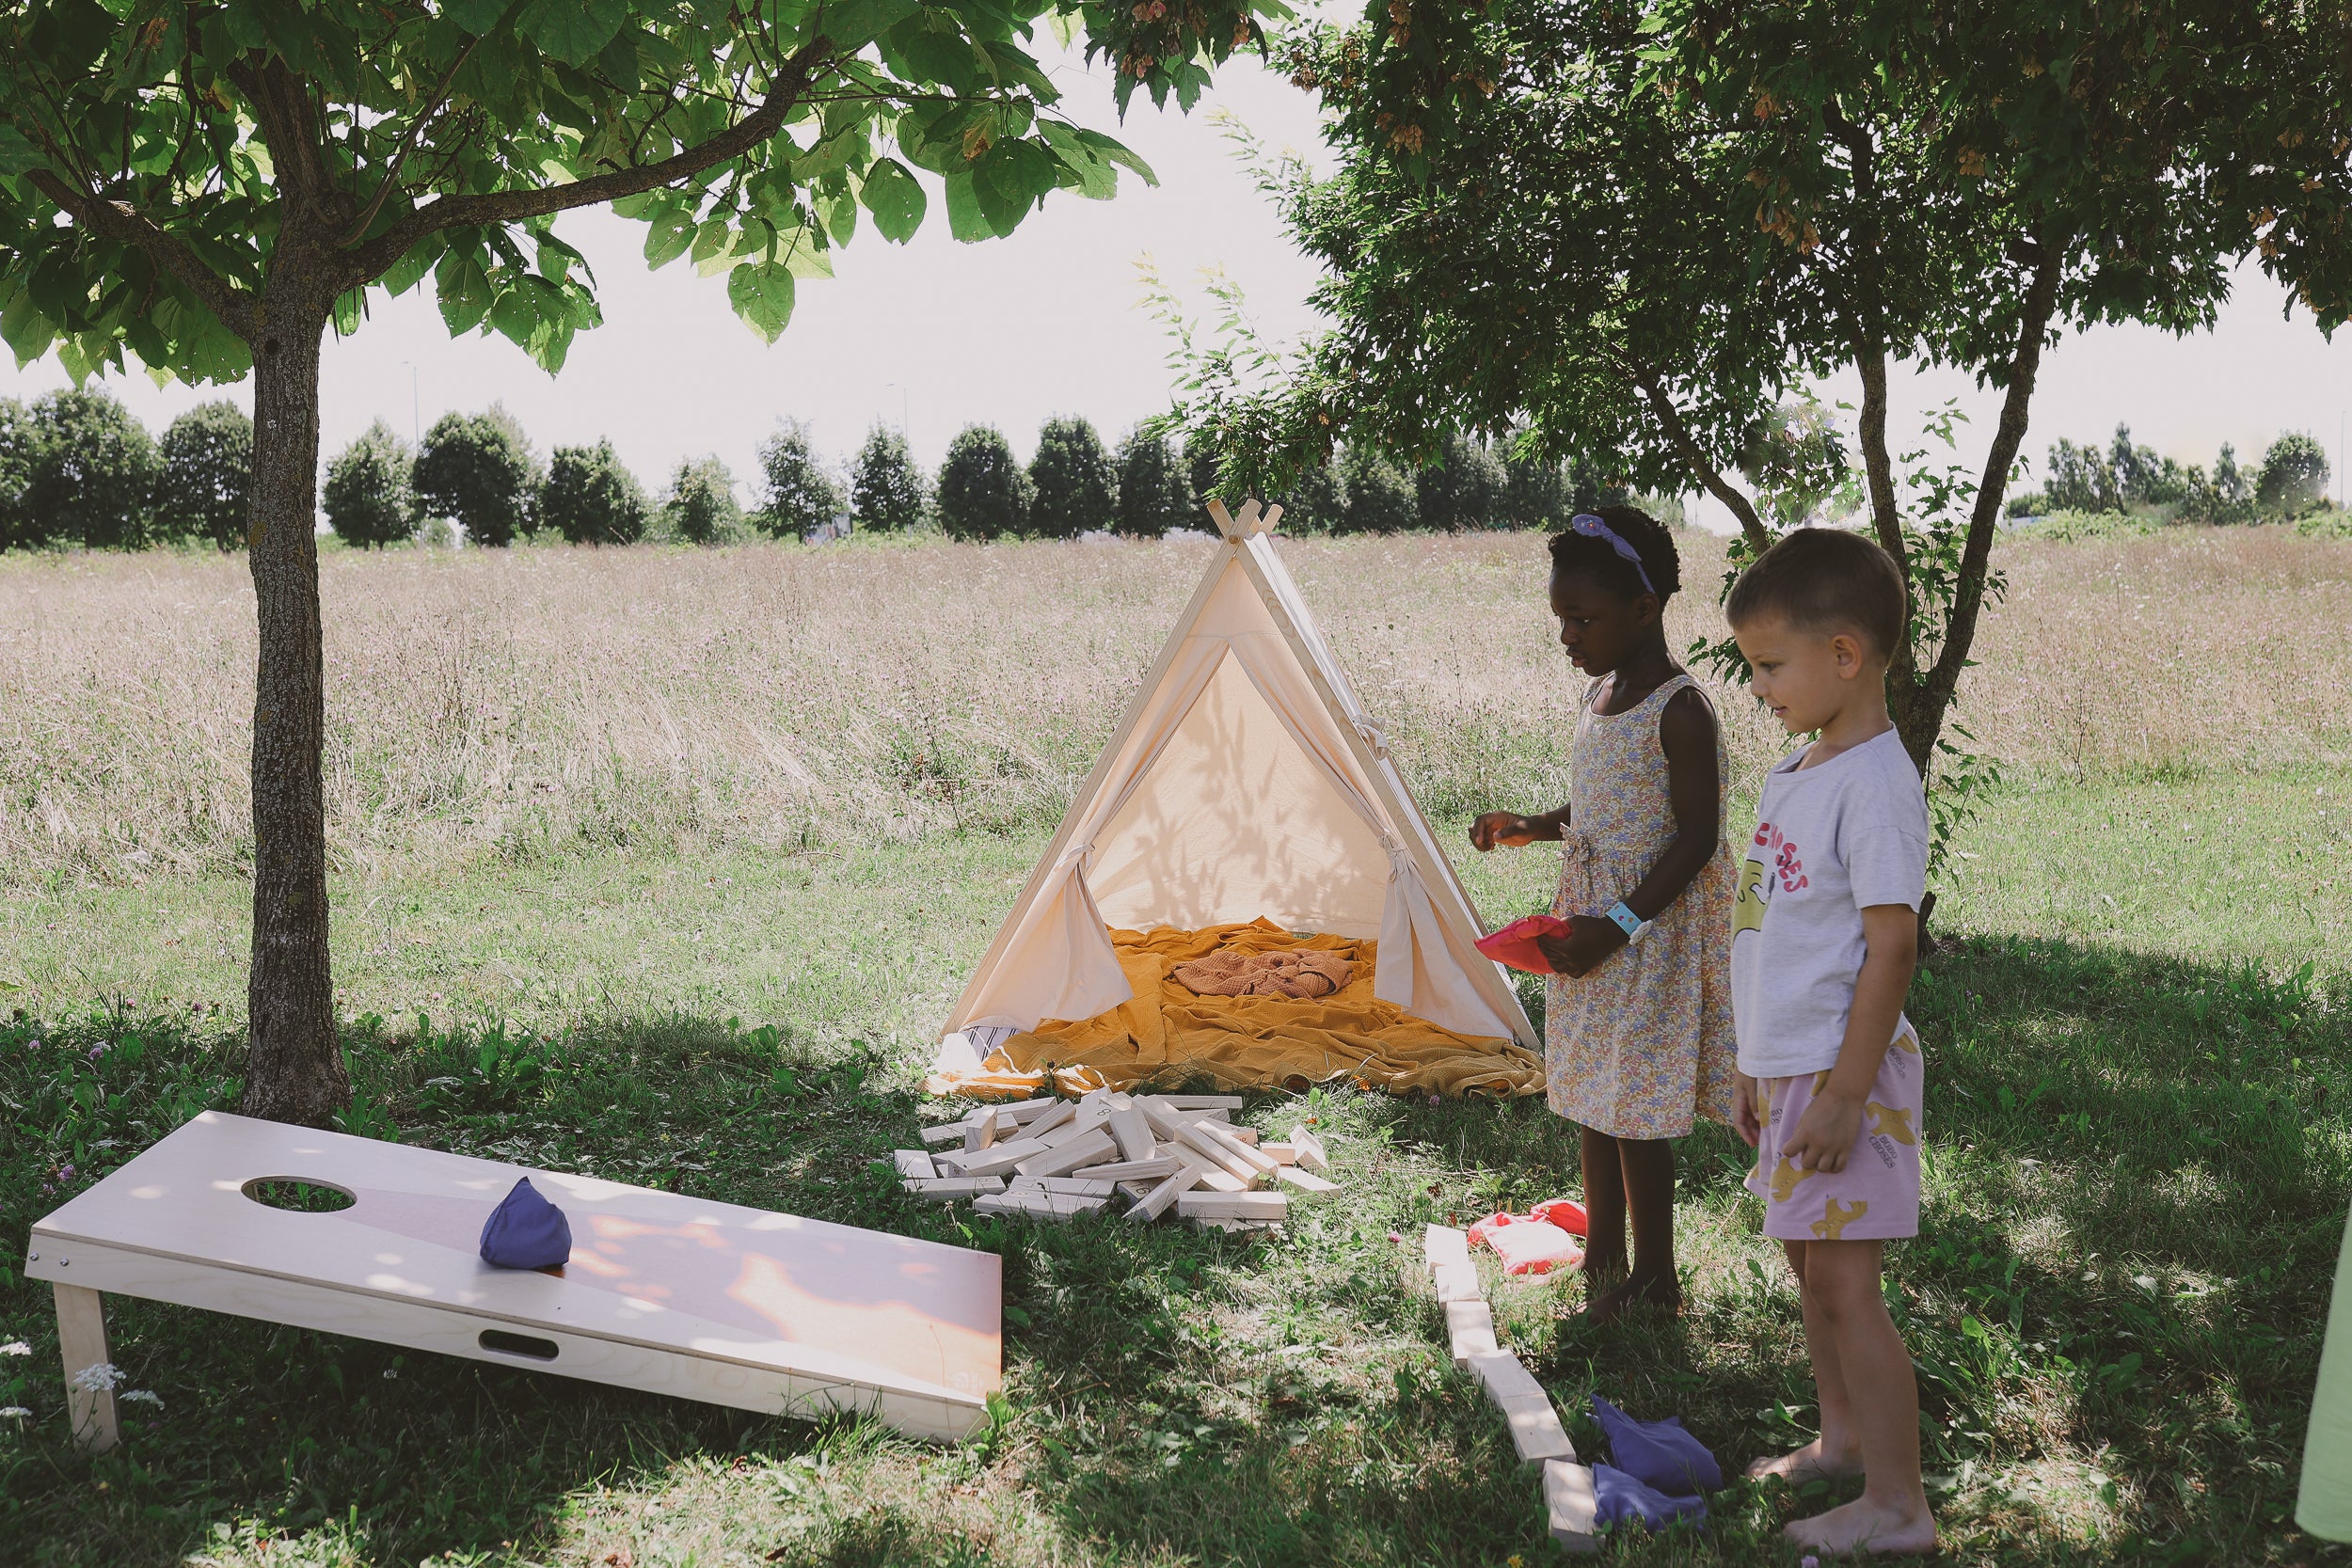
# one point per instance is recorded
(2140, 1157)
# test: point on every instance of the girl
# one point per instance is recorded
(1638, 1036)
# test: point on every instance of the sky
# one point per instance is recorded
(935, 335)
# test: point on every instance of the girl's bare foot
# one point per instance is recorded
(1867, 1524)
(1662, 1291)
(1810, 1463)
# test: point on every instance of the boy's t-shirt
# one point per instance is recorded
(1830, 841)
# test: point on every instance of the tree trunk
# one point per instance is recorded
(294, 1071)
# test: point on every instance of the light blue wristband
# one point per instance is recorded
(1626, 921)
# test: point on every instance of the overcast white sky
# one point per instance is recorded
(1010, 331)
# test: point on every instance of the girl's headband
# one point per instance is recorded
(1594, 527)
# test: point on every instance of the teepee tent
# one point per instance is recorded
(1244, 781)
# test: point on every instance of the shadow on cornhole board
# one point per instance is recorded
(669, 1294)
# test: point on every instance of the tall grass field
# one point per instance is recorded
(666, 865)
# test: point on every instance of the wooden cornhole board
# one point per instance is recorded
(673, 1295)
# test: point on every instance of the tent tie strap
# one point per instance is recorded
(1372, 735)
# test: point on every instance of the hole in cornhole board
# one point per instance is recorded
(517, 1344)
(300, 1195)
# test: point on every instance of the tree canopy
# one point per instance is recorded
(478, 470)
(590, 497)
(886, 490)
(206, 474)
(1642, 230)
(367, 498)
(799, 495)
(984, 491)
(206, 187)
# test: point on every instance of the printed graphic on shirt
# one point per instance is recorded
(1771, 866)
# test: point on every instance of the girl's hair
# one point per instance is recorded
(1593, 557)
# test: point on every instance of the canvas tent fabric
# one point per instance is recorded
(1247, 782)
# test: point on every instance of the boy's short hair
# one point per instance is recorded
(1825, 580)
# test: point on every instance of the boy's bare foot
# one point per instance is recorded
(1810, 1463)
(1868, 1526)
(1664, 1292)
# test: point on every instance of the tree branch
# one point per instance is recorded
(1984, 520)
(372, 258)
(407, 141)
(118, 220)
(1752, 527)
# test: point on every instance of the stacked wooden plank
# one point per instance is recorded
(1058, 1159)
(1536, 1429)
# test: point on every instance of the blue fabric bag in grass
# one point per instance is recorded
(1622, 1499)
(526, 1231)
(1658, 1454)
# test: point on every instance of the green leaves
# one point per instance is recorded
(485, 105)
(762, 295)
(574, 31)
(896, 198)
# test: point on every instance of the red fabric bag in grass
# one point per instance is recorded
(1565, 1213)
(1515, 945)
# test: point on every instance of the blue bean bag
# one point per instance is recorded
(1658, 1454)
(1622, 1499)
(526, 1231)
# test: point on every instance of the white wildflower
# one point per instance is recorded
(100, 1379)
(16, 1347)
(144, 1396)
(13, 1412)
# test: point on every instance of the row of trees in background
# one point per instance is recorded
(1149, 486)
(77, 468)
(2290, 481)
(479, 472)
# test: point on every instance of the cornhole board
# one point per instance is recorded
(670, 1294)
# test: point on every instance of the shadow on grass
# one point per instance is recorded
(2137, 1174)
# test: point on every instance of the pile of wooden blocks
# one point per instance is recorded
(1536, 1429)
(1057, 1159)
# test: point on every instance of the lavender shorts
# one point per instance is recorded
(1876, 1197)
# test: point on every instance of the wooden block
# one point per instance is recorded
(1227, 1155)
(1000, 1158)
(913, 1163)
(1470, 1328)
(1282, 1154)
(1202, 1101)
(1537, 1431)
(1026, 1111)
(82, 1338)
(1214, 1177)
(1230, 1138)
(1458, 1282)
(1133, 1131)
(1125, 1170)
(1211, 1222)
(1305, 1180)
(1234, 1206)
(1086, 1150)
(1441, 1244)
(1042, 1206)
(945, 1132)
(948, 1164)
(946, 1189)
(1568, 1501)
(1248, 1135)
(1507, 1382)
(1163, 1198)
(1310, 1149)
(1072, 1187)
(979, 1129)
(1137, 1190)
(1050, 1117)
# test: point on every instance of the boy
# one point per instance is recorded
(1825, 937)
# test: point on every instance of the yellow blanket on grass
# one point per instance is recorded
(1168, 1033)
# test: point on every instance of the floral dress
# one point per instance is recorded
(1641, 1045)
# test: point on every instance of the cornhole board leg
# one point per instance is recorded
(82, 1335)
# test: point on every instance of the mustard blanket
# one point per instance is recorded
(1167, 1033)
